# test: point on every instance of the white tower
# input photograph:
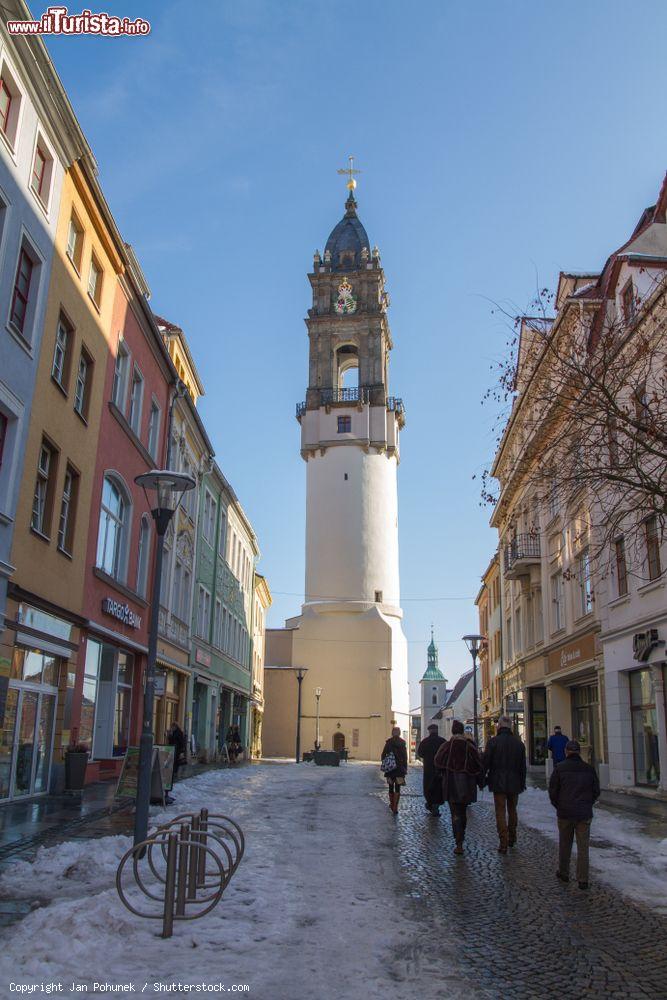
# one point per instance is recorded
(349, 635)
(434, 690)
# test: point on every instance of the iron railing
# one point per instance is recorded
(522, 548)
(361, 394)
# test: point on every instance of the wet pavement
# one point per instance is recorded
(515, 930)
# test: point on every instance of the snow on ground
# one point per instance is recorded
(621, 854)
(315, 901)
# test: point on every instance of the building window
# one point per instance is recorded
(621, 567)
(114, 515)
(143, 555)
(83, 382)
(557, 601)
(4, 423)
(95, 281)
(652, 539)
(222, 537)
(210, 513)
(10, 103)
(217, 624)
(75, 242)
(537, 609)
(21, 294)
(628, 302)
(644, 727)
(136, 401)
(42, 503)
(42, 169)
(518, 635)
(434, 696)
(378, 597)
(120, 371)
(154, 430)
(61, 353)
(107, 700)
(585, 586)
(344, 425)
(508, 639)
(204, 613)
(68, 511)
(554, 499)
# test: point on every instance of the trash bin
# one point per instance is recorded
(327, 758)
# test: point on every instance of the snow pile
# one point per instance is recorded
(622, 855)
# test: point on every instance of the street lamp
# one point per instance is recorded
(299, 676)
(166, 489)
(474, 644)
(318, 695)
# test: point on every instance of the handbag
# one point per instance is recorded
(388, 763)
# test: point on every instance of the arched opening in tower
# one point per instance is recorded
(347, 364)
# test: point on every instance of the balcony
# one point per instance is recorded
(521, 553)
(372, 394)
(172, 629)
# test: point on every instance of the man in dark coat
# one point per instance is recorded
(461, 767)
(426, 751)
(573, 788)
(176, 739)
(504, 765)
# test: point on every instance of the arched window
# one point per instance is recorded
(143, 554)
(114, 529)
(347, 365)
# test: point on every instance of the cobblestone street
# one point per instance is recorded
(515, 929)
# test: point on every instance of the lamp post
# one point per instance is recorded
(318, 695)
(168, 488)
(474, 644)
(299, 676)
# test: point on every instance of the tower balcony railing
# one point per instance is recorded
(522, 552)
(358, 394)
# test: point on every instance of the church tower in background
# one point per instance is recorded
(349, 635)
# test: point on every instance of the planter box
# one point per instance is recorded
(327, 758)
(75, 771)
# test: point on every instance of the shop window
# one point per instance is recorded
(652, 540)
(621, 567)
(113, 529)
(644, 728)
(75, 241)
(42, 503)
(538, 731)
(82, 389)
(62, 352)
(68, 510)
(107, 700)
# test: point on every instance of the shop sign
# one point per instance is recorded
(572, 655)
(122, 612)
(202, 657)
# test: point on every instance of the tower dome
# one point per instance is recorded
(433, 672)
(347, 240)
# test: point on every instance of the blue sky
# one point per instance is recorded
(499, 143)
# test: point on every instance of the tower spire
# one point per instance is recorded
(350, 171)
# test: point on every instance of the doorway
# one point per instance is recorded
(339, 741)
(26, 736)
(586, 724)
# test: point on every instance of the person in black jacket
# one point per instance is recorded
(504, 764)
(573, 788)
(176, 739)
(426, 751)
(396, 776)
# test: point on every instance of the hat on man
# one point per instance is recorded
(572, 747)
(432, 728)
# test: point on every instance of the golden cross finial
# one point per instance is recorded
(350, 171)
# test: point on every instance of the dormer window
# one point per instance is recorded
(347, 258)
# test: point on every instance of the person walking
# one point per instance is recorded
(432, 782)
(461, 764)
(394, 763)
(176, 739)
(556, 745)
(504, 764)
(573, 788)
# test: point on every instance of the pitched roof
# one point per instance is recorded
(458, 688)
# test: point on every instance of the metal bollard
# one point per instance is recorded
(201, 868)
(170, 886)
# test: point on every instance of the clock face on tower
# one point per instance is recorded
(345, 301)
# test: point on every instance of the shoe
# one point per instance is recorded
(458, 849)
(583, 885)
(435, 811)
(511, 843)
(562, 878)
